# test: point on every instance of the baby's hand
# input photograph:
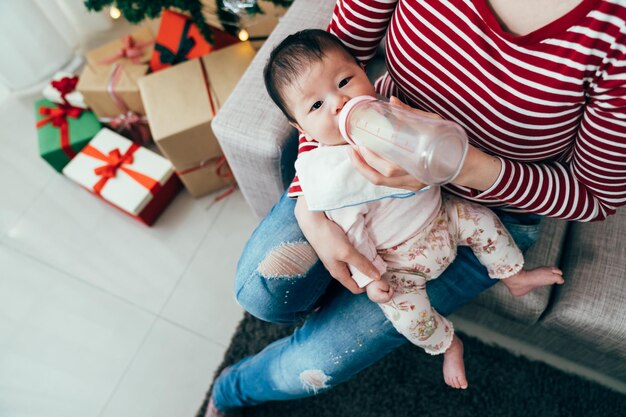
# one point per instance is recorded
(380, 171)
(379, 291)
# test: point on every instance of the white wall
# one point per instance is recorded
(38, 37)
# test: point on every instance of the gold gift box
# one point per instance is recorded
(180, 103)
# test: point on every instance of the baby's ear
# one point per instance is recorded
(296, 125)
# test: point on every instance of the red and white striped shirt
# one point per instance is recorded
(550, 104)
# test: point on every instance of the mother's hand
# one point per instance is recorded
(480, 170)
(380, 171)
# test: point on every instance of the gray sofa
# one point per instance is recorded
(580, 326)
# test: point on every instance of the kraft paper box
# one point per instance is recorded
(62, 89)
(63, 131)
(258, 26)
(270, 13)
(180, 105)
(212, 175)
(135, 48)
(93, 86)
(261, 25)
(126, 175)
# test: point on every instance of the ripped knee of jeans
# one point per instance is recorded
(314, 380)
(289, 260)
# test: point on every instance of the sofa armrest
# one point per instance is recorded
(251, 130)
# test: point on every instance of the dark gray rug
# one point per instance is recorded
(409, 383)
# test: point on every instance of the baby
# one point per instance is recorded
(410, 237)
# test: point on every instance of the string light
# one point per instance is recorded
(243, 35)
(115, 13)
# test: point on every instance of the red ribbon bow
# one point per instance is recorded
(58, 117)
(130, 49)
(65, 86)
(115, 161)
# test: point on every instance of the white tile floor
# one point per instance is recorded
(99, 314)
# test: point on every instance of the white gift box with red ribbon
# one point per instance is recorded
(62, 89)
(131, 177)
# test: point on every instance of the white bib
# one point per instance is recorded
(330, 181)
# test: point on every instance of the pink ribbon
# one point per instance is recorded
(127, 121)
(130, 49)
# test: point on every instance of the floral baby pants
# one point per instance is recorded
(427, 254)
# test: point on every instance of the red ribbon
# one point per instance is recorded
(221, 167)
(207, 85)
(127, 120)
(115, 161)
(58, 117)
(222, 164)
(130, 49)
(65, 86)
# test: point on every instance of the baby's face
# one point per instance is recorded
(317, 96)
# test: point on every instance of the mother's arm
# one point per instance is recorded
(361, 25)
(591, 183)
(589, 187)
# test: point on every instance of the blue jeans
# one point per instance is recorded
(346, 334)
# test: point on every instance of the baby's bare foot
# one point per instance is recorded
(453, 366)
(525, 281)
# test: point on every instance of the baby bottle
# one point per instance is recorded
(432, 150)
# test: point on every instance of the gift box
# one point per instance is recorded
(62, 89)
(207, 176)
(106, 87)
(135, 48)
(261, 25)
(126, 175)
(63, 131)
(179, 40)
(182, 101)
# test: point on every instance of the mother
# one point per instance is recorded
(543, 100)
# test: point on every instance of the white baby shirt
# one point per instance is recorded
(373, 217)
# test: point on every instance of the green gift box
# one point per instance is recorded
(63, 131)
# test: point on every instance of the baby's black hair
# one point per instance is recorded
(294, 54)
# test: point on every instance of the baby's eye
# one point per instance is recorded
(345, 81)
(316, 105)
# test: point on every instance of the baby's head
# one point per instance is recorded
(310, 75)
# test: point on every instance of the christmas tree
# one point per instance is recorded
(229, 12)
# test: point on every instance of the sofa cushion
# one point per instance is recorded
(591, 305)
(528, 309)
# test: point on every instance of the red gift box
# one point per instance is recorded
(179, 40)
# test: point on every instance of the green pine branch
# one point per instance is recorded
(137, 10)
